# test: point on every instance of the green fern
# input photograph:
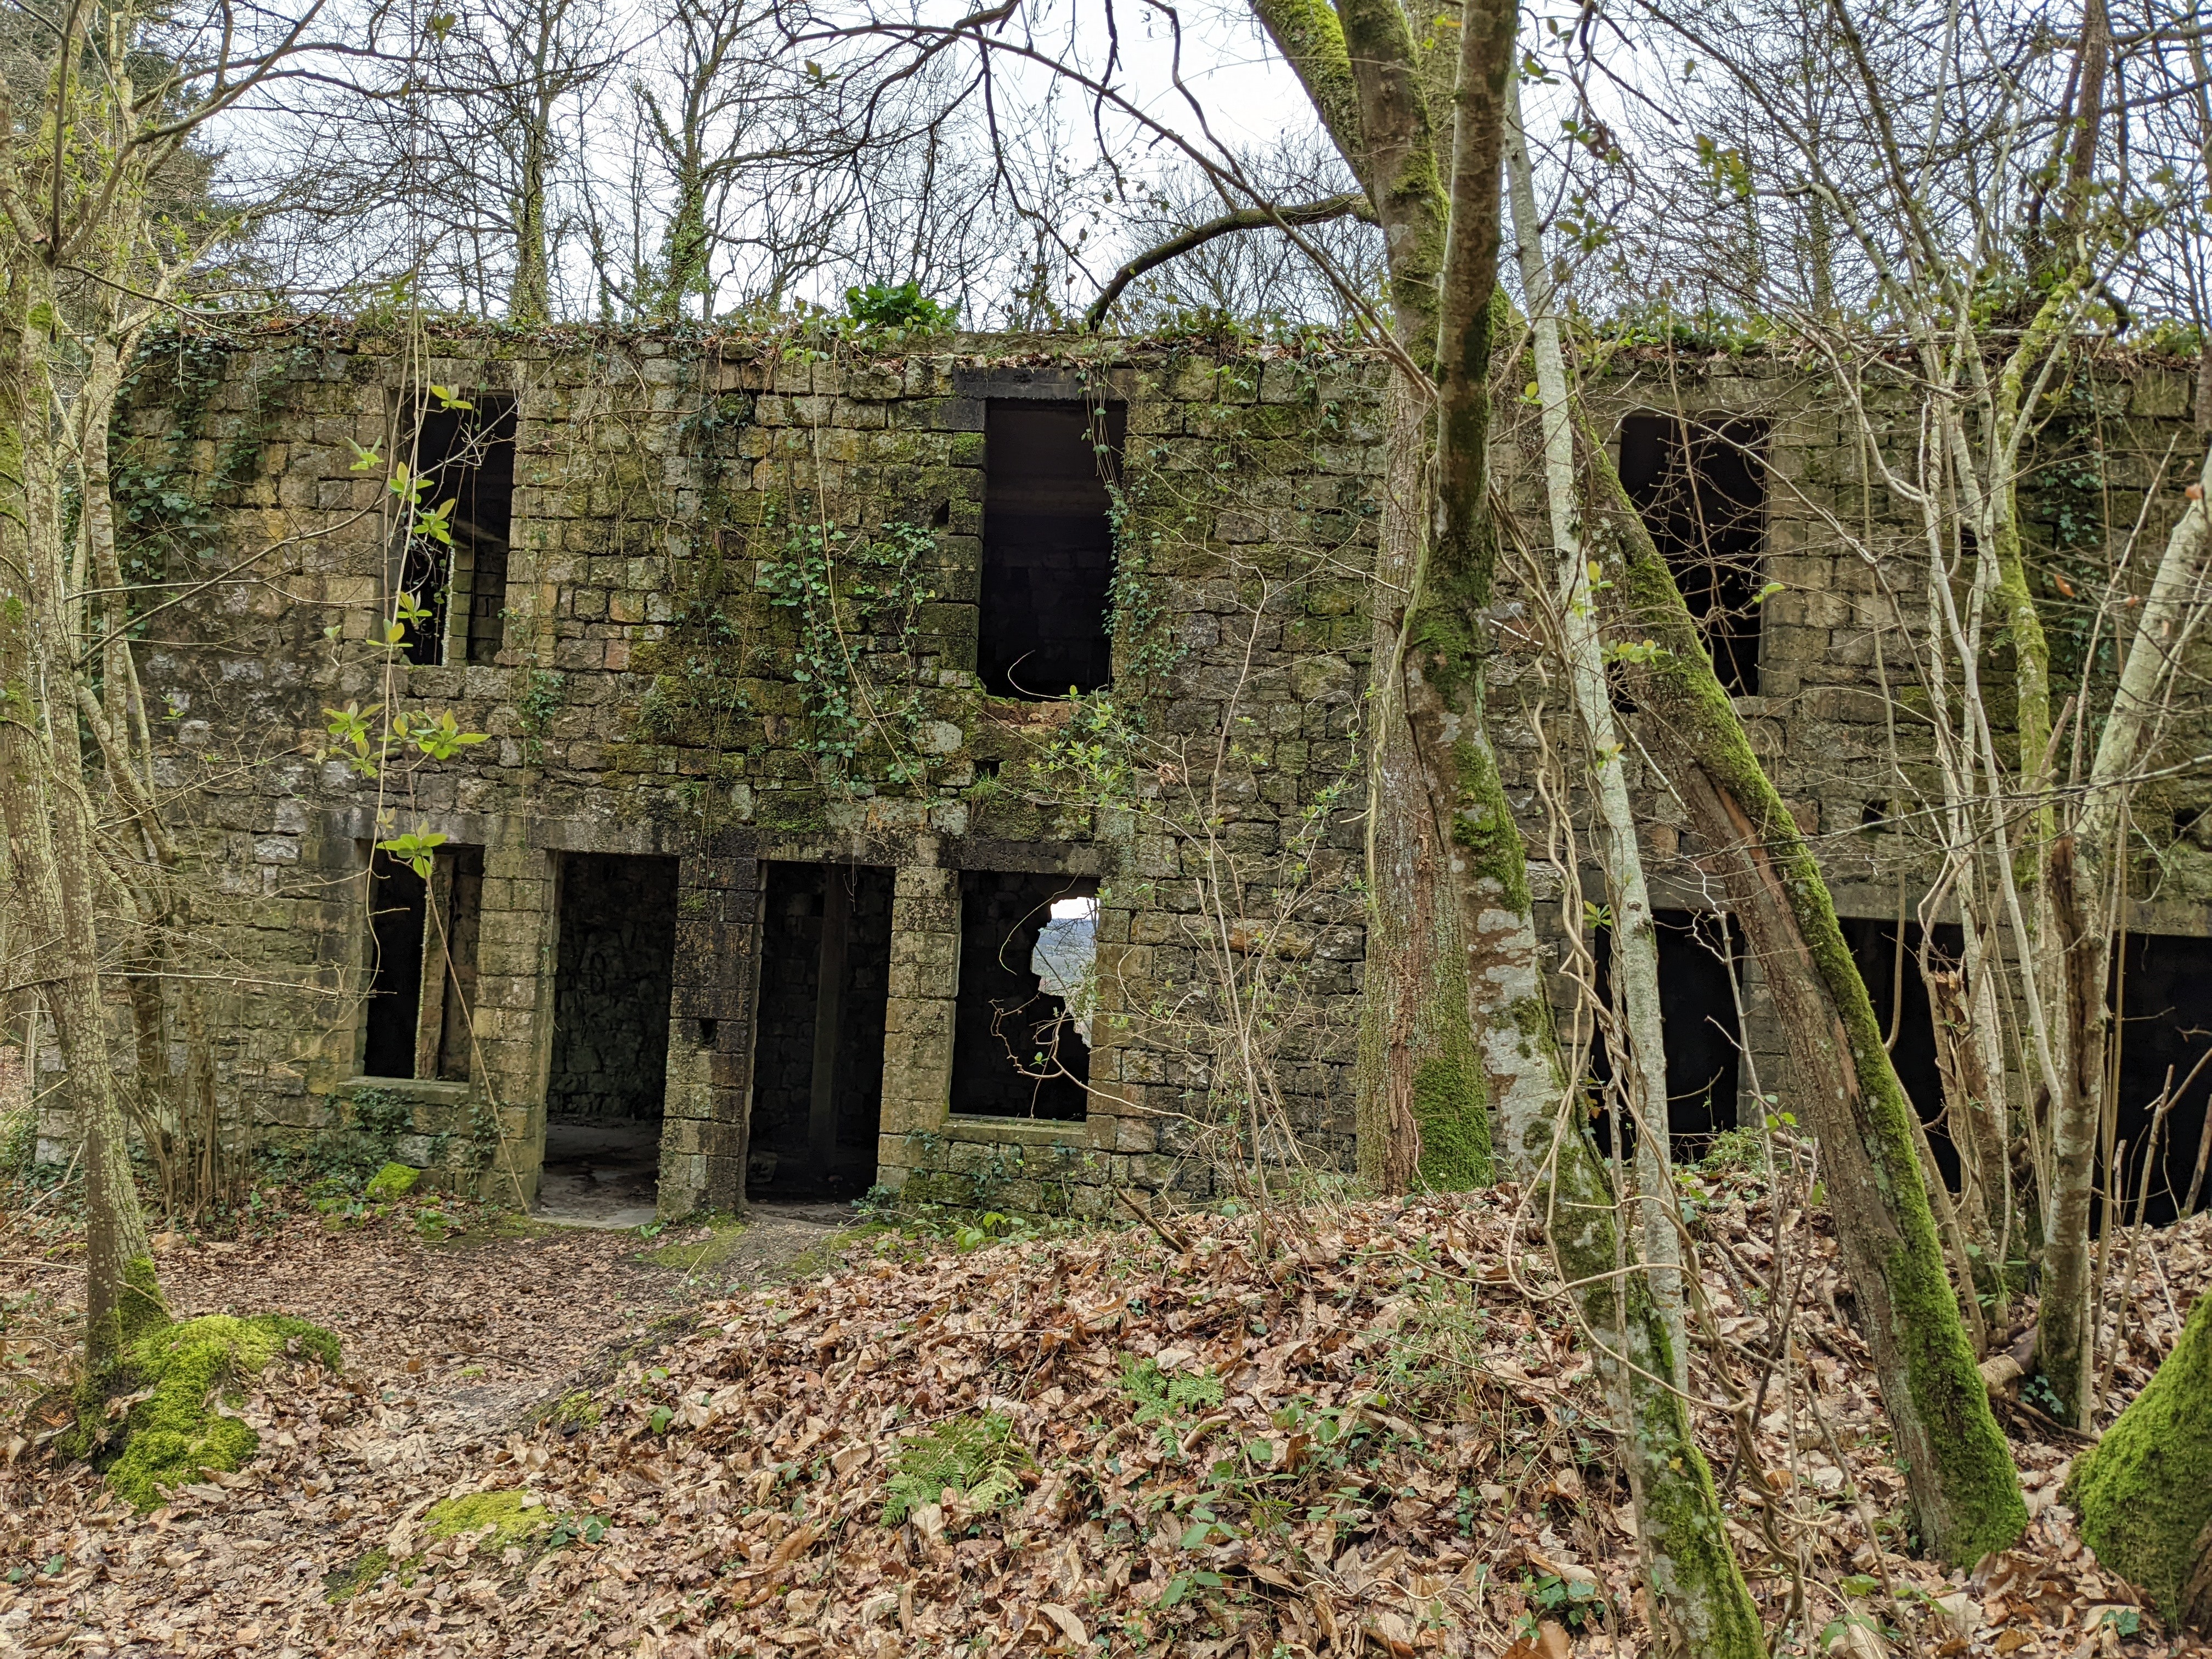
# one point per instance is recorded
(1165, 1399)
(978, 1457)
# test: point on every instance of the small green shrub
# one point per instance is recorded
(978, 1457)
(904, 309)
(1167, 1399)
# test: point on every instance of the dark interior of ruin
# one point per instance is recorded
(1047, 547)
(1702, 493)
(1698, 1011)
(1906, 1025)
(2164, 1035)
(456, 914)
(615, 969)
(819, 1030)
(1016, 1052)
(468, 456)
(398, 901)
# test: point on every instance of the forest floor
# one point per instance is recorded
(1342, 1429)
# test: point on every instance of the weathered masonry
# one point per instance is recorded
(890, 754)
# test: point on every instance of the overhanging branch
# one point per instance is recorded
(1351, 205)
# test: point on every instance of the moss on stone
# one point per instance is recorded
(393, 1180)
(497, 1519)
(176, 1433)
(2144, 1492)
(342, 1583)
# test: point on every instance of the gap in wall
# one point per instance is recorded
(1047, 547)
(819, 1030)
(1018, 1049)
(398, 899)
(1906, 1022)
(1699, 950)
(468, 457)
(606, 1088)
(2164, 1031)
(1701, 489)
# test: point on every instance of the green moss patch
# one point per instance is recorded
(342, 1583)
(693, 1255)
(393, 1180)
(175, 1434)
(496, 1519)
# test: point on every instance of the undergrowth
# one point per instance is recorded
(977, 1457)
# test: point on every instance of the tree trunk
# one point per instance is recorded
(50, 824)
(1964, 1488)
(1423, 1120)
(2144, 1492)
(2079, 874)
(1641, 1066)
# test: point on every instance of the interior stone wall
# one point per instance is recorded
(611, 988)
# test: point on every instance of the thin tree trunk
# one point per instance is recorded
(2078, 874)
(1964, 1488)
(50, 823)
(1642, 1068)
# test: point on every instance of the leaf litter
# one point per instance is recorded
(1362, 1428)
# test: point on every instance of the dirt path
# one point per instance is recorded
(450, 1348)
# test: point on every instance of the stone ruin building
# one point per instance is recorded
(746, 891)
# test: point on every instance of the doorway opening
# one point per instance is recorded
(1900, 1009)
(1700, 951)
(1021, 1031)
(1701, 489)
(613, 978)
(2165, 1031)
(1047, 547)
(818, 1030)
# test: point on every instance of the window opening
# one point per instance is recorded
(1047, 547)
(468, 456)
(1021, 1042)
(1698, 951)
(2164, 1031)
(1702, 493)
(396, 901)
(605, 1095)
(423, 934)
(1873, 945)
(819, 1030)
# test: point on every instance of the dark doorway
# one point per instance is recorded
(2165, 1028)
(398, 898)
(612, 981)
(1047, 547)
(467, 455)
(1699, 950)
(819, 1030)
(1702, 492)
(1018, 1049)
(1900, 1008)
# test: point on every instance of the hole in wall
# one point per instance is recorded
(1047, 547)
(1020, 1031)
(398, 898)
(607, 1084)
(1698, 1025)
(468, 456)
(819, 1030)
(1701, 489)
(422, 1002)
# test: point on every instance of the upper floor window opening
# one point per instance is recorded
(467, 455)
(1047, 547)
(1701, 488)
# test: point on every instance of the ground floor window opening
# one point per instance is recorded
(1700, 953)
(818, 1030)
(1021, 1044)
(421, 998)
(614, 971)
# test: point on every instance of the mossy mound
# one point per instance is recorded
(393, 1180)
(176, 1434)
(2144, 1492)
(500, 1518)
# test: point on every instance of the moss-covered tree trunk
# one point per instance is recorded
(1965, 1490)
(50, 820)
(2144, 1492)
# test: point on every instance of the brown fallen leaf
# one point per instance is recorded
(1070, 1625)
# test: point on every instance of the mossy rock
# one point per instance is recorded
(393, 1180)
(175, 1434)
(496, 1519)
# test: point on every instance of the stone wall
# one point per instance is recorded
(673, 681)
